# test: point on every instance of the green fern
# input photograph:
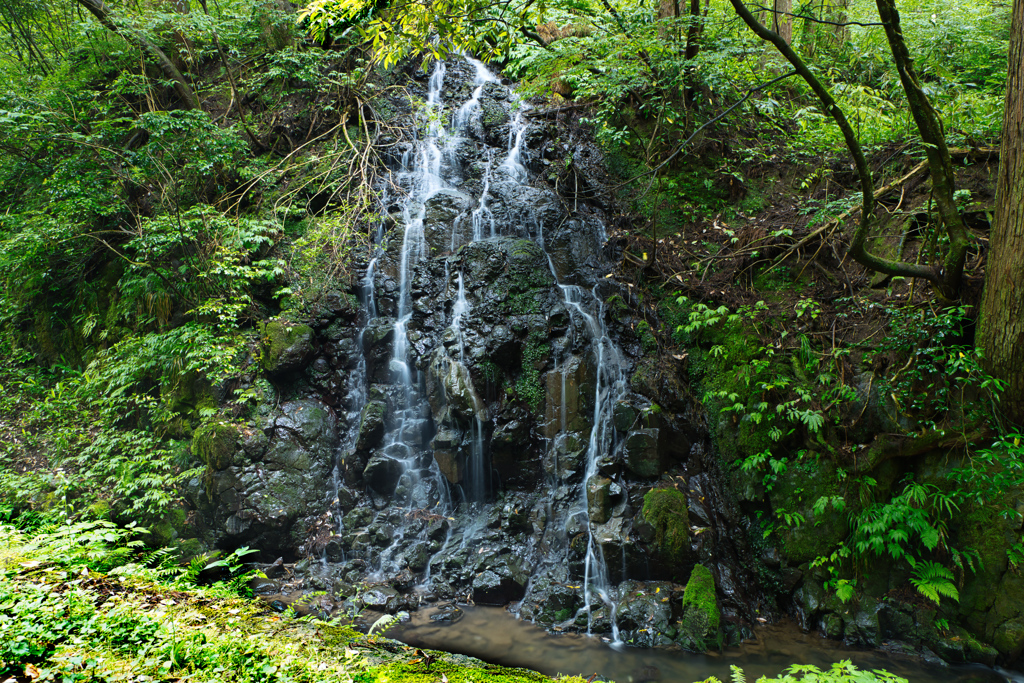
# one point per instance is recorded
(737, 674)
(934, 581)
(386, 622)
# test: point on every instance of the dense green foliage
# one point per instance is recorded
(143, 245)
(139, 243)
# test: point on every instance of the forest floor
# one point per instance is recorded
(794, 249)
(61, 619)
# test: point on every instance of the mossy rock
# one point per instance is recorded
(666, 511)
(648, 341)
(641, 451)
(797, 490)
(100, 509)
(186, 392)
(700, 626)
(214, 444)
(992, 598)
(285, 346)
(166, 530)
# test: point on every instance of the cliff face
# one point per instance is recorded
(486, 422)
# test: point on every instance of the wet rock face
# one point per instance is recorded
(494, 440)
(270, 481)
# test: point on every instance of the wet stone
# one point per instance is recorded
(265, 587)
(489, 588)
(335, 549)
(383, 599)
(599, 499)
(624, 416)
(447, 613)
(371, 425)
(642, 452)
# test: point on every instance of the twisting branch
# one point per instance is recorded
(939, 162)
(815, 20)
(858, 249)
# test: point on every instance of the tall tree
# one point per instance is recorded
(1001, 329)
(782, 22)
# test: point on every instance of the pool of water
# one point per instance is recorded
(495, 635)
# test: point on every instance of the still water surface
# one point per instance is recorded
(494, 635)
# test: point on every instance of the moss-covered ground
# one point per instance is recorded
(63, 619)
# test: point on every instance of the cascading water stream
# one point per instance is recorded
(482, 215)
(421, 482)
(611, 386)
(421, 175)
(464, 114)
(513, 164)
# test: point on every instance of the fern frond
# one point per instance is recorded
(382, 624)
(934, 581)
(737, 674)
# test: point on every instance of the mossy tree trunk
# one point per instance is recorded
(939, 163)
(1001, 329)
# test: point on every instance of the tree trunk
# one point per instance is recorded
(939, 163)
(945, 279)
(99, 10)
(694, 30)
(782, 22)
(667, 9)
(840, 32)
(1001, 328)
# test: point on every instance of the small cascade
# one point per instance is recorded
(460, 309)
(513, 164)
(357, 394)
(464, 114)
(420, 485)
(482, 217)
(610, 387)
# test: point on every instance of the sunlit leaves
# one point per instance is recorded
(435, 28)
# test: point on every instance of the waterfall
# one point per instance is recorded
(611, 386)
(420, 484)
(436, 347)
(513, 164)
(482, 215)
(464, 115)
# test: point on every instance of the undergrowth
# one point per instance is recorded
(84, 603)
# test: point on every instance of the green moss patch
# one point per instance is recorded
(146, 624)
(419, 671)
(665, 509)
(285, 346)
(214, 444)
(699, 627)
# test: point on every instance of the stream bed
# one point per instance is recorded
(495, 635)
